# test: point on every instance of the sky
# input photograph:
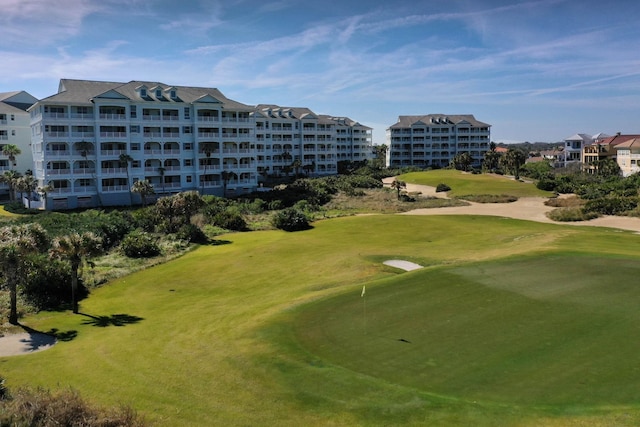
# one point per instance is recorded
(538, 70)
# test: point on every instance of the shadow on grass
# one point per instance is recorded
(113, 320)
(218, 242)
(38, 339)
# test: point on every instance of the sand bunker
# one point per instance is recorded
(25, 343)
(404, 265)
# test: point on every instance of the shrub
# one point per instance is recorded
(230, 219)
(571, 214)
(611, 205)
(489, 198)
(290, 219)
(191, 233)
(442, 187)
(42, 408)
(139, 244)
(546, 184)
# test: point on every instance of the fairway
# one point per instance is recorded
(510, 323)
(464, 184)
(535, 331)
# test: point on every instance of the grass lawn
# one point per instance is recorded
(233, 334)
(463, 184)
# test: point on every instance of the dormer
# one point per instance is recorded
(142, 91)
(172, 92)
(157, 92)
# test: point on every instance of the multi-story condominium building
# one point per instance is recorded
(619, 148)
(92, 140)
(15, 130)
(435, 139)
(628, 156)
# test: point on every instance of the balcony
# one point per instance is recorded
(57, 153)
(112, 116)
(113, 134)
(58, 171)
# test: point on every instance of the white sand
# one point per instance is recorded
(403, 265)
(25, 343)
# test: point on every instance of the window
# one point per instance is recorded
(143, 93)
(188, 162)
(186, 129)
(134, 129)
(135, 146)
(158, 93)
(13, 133)
(189, 178)
(172, 94)
(134, 112)
(187, 113)
(13, 117)
(188, 146)
(135, 164)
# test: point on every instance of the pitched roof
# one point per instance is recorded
(84, 91)
(580, 137)
(629, 143)
(616, 139)
(437, 119)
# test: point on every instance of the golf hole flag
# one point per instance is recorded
(363, 290)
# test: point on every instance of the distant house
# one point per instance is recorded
(602, 149)
(573, 147)
(628, 156)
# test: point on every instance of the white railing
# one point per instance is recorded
(84, 171)
(113, 170)
(114, 188)
(151, 117)
(158, 151)
(57, 153)
(81, 116)
(83, 134)
(111, 116)
(58, 171)
(152, 134)
(52, 134)
(112, 152)
(113, 134)
(207, 119)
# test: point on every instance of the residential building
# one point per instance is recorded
(15, 130)
(435, 139)
(628, 155)
(92, 140)
(573, 147)
(604, 147)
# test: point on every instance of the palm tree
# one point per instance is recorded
(144, 188)
(11, 151)
(398, 186)
(76, 248)
(27, 184)
(491, 158)
(84, 147)
(16, 242)
(380, 153)
(462, 161)
(512, 160)
(226, 177)
(296, 165)
(161, 171)
(43, 191)
(10, 177)
(125, 161)
(207, 149)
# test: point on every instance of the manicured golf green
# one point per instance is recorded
(526, 331)
(228, 334)
(463, 184)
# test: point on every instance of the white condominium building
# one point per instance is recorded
(92, 140)
(435, 139)
(14, 130)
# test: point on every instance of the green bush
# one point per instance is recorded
(290, 219)
(139, 244)
(191, 233)
(230, 219)
(442, 188)
(611, 205)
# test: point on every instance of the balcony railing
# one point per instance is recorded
(112, 152)
(113, 170)
(56, 134)
(58, 171)
(112, 116)
(113, 134)
(115, 188)
(57, 153)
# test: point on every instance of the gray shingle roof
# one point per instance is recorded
(437, 119)
(83, 91)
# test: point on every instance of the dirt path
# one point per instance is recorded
(526, 208)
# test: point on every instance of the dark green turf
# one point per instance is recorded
(557, 330)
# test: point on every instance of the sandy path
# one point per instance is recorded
(526, 208)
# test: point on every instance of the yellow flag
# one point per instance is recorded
(363, 290)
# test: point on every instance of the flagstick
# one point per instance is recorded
(364, 307)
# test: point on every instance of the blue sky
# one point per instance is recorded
(538, 70)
